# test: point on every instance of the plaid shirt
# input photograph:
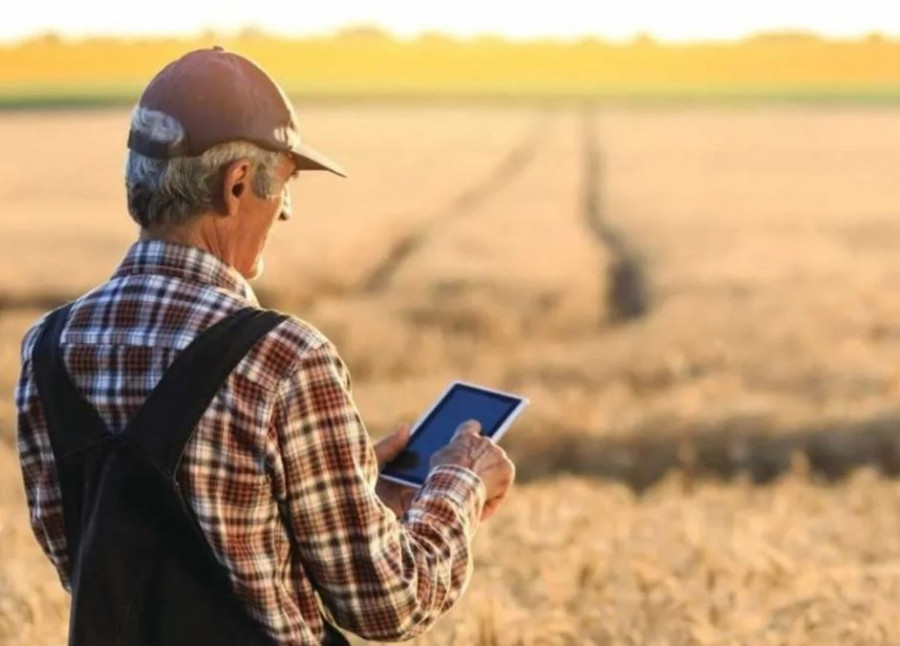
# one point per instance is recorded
(280, 471)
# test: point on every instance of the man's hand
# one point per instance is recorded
(470, 449)
(391, 446)
(396, 496)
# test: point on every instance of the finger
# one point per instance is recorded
(392, 445)
(472, 427)
(400, 437)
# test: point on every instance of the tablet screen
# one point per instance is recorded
(461, 403)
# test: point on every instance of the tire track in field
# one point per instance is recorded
(626, 291)
(510, 167)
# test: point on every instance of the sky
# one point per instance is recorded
(667, 20)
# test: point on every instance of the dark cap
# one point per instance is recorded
(219, 96)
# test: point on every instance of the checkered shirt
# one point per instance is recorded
(280, 471)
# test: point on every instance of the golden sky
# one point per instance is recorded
(668, 20)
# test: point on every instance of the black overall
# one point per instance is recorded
(141, 571)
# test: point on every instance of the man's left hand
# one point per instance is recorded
(396, 496)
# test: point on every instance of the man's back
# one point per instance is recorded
(140, 569)
(279, 469)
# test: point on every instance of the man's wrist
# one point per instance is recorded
(463, 487)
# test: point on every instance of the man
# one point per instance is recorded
(276, 470)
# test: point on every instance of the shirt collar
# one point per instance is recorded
(161, 258)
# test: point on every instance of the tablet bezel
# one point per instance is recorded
(501, 430)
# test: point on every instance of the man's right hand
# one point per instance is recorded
(470, 449)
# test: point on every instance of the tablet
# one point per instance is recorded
(461, 401)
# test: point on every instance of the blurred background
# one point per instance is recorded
(674, 227)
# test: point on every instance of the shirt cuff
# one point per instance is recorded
(460, 485)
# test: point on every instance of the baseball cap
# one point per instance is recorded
(220, 96)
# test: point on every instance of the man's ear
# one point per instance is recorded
(235, 185)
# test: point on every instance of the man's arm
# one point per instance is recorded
(380, 578)
(38, 466)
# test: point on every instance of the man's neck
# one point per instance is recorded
(201, 234)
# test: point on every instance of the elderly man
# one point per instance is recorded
(195, 466)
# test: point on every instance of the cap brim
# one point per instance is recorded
(308, 158)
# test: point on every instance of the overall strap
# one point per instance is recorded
(166, 421)
(72, 422)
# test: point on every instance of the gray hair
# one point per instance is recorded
(164, 192)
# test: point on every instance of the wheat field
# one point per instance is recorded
(697, 300)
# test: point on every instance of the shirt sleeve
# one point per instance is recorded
(42, 490)
(381, 577)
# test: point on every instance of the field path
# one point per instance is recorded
(469, 200)
(521, 256)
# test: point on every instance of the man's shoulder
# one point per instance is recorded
(279, 355)
(299, 334)
(29, 340)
